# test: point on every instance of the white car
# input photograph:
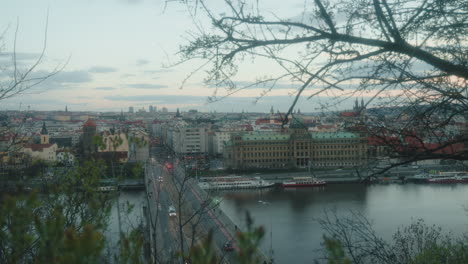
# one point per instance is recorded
(172, 211)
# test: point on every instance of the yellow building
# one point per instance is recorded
(296, 149)
(116, 143)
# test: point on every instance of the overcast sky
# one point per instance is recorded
(116, 53)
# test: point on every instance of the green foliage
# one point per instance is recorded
(419, 243)
(248, 243)
(112, 142)
(335, 251)
(78, 198)
(64, 225)
(452, 252)
(30, 232)
(128, 170)
(137, 171)
(203, 253)
(99, 142)
(352, 240)
(57, 244)
(131, 247)
(36, 169)
(139, 142)
(16, 229)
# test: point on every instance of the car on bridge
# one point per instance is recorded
(172, 211)
(228, 247)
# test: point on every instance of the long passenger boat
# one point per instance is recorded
(303, 182)
(450, 177)
(233, 182)
(441, 177)
(420, 178)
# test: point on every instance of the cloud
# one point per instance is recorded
(263, 85)
(142, 62)
(166, 99)
(132, 2)
(146, 86)
(105, 88)
(227, 104)
(20, 56)
(67, 77)
(158, 71)
(41, 81)
(102, 69)
(127, 75)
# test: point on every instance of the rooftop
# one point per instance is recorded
(333, 135)
(265, 136)
(38, 147)
(89, 123)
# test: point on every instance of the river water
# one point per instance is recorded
(129, 217)
(291, 213)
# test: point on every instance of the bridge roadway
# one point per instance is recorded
(164, 228)
(222, 226)
(162, 233)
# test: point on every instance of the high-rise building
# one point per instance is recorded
(164, 110)
(131, 110)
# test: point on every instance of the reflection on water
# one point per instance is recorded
(291, 213)
(128, 221)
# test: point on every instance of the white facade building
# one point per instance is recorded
(46, 152)
(190, 139)
(220, 140)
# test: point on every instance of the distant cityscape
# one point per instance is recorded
(242, 141)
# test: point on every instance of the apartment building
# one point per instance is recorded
(220, 140)
(190, 139)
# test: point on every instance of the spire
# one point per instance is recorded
(272, 111)
(177, 113)
(44, 134)
(44, 129)
(362, 103)
(66, 108)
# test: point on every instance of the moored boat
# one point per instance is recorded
(233, 182)
(458, 177)
(420, 178)
(303, 182)
(440, 177)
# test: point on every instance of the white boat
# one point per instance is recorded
(450, 177)
(421, 177)
(108, 188)
(233, 182)
(303, 182)
(440, 177)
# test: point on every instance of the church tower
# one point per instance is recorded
(44, 134)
